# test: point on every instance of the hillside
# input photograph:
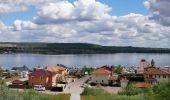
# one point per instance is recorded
(73, 48)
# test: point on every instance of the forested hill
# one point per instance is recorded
(73, 48)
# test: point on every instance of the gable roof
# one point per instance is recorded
(42, 72)
(112, 78)
(24, 68)
(56, 68)
(150, 79)
(155, 71)
(17, 82)
(141, 85)
(102, 71)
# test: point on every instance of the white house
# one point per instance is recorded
(21, 71)
(103, 75)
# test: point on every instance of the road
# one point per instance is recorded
(74, 88)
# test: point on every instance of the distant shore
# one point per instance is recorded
(73, 48)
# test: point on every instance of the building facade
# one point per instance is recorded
(42, 77)
(103, 75)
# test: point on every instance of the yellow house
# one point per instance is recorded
(62, 72)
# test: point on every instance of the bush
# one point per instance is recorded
(130, 90)
(162, 90)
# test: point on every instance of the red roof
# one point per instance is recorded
(141, 85)
(124, 80)
(102, 71)
(16, 82)
(112, 78)
(42, 72)
(150, 79)
(155, 71)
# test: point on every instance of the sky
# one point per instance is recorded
(142, 23)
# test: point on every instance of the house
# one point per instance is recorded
(62, 71)
(22, 71)
(42, 77)
(154, 75)
(103, 75)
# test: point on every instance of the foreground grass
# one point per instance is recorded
(98, 94)
(7, 94)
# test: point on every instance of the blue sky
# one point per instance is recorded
(119, 8)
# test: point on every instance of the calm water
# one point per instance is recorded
(93, 60)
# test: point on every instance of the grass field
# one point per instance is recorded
(8, 94)
(98, 94)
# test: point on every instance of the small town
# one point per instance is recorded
(84, 49)
(75, 83)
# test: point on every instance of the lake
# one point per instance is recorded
(93, 60)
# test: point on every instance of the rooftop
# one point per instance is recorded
(42, 72)
(102, 70)
(155, 71)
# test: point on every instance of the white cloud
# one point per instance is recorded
(64, 11)
(86, 21)
(159, 10)
(24, 25)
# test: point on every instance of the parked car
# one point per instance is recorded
(83, 86)
(39, 87)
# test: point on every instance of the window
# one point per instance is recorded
(159, 76)
(32, 84)
(150, 76)
(164, 76)
(41, 77)
(155, 76)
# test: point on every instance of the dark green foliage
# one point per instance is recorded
(75, 48)
(135, 78)
(162, 91)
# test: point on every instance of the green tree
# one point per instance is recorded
(1, 72)
(117, 69)
(152, 63)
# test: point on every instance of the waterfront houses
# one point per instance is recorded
(103, 75)
(21, 71)
(42, 77)
(153, 75)
(61, 71)
(48, 76)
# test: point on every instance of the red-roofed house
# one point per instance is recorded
(42, 77)
(103, 75)
(154, 75)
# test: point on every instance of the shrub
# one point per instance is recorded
(130, 90)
